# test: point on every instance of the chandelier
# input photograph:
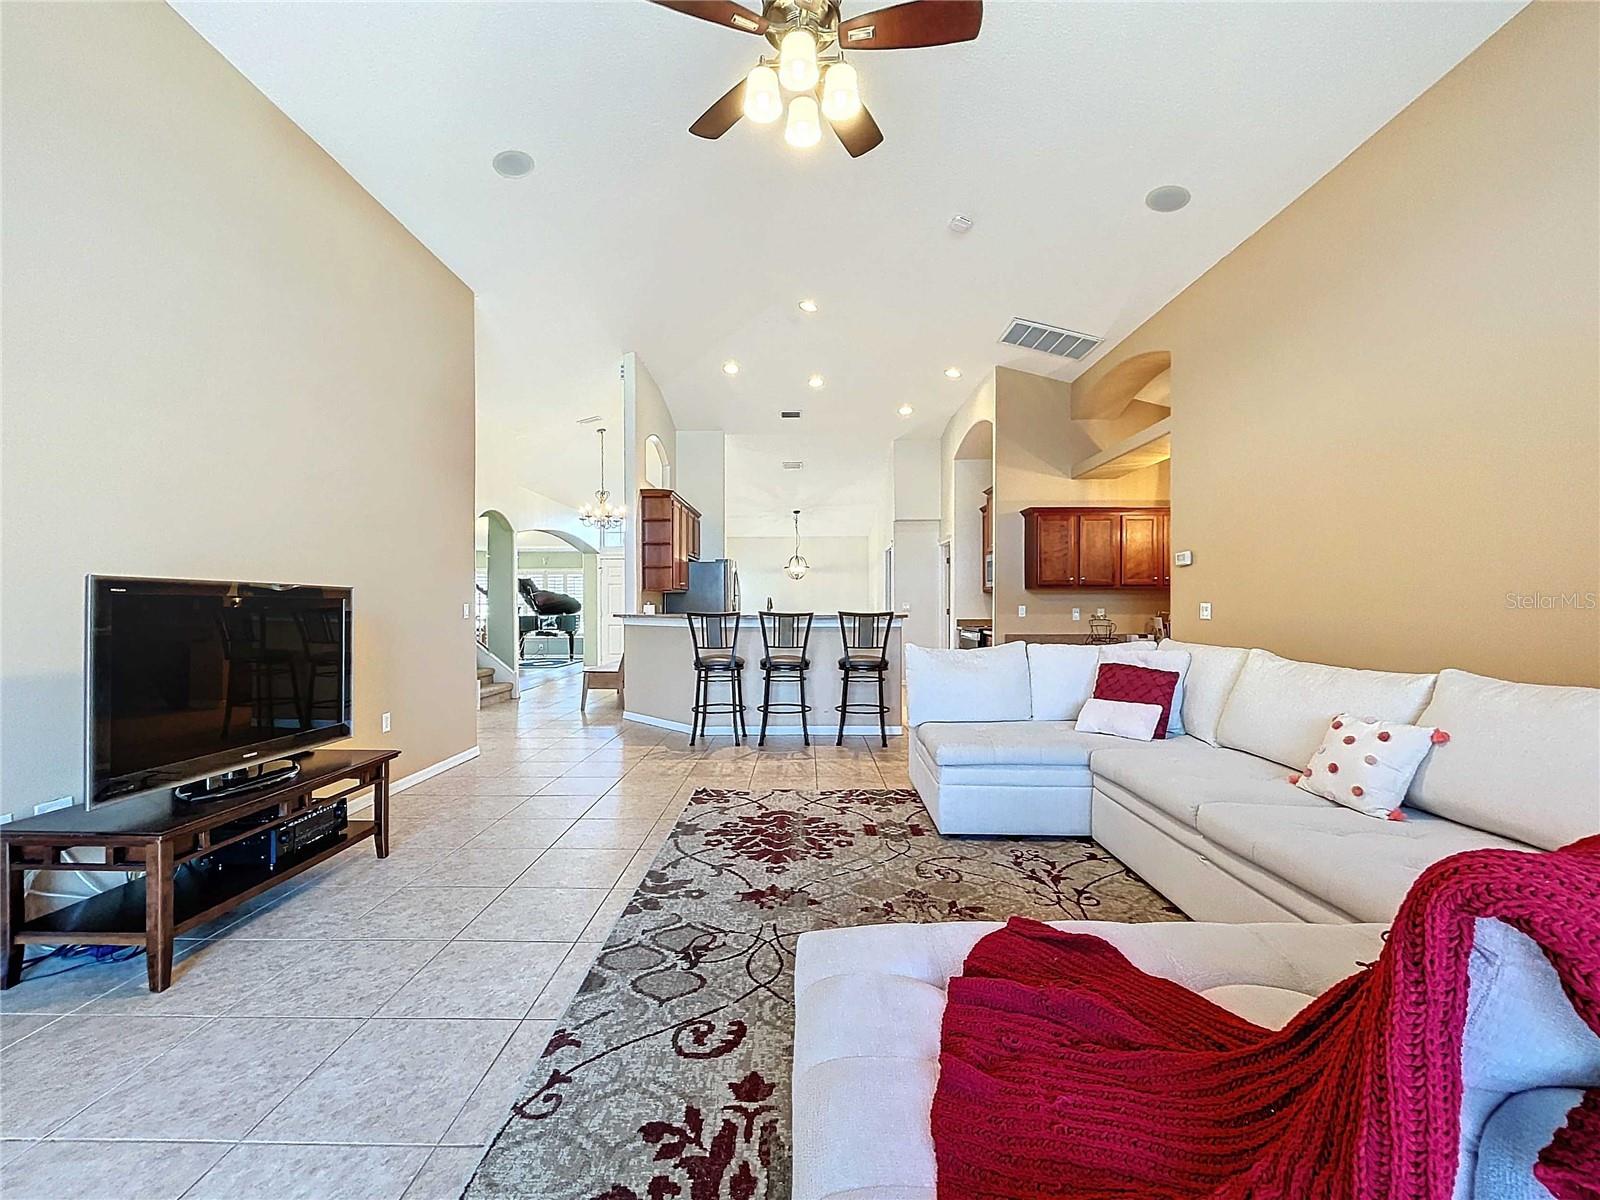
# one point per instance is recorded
(797, 566)
(600, 513)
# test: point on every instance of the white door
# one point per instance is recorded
(612, 595)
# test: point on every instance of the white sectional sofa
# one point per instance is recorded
(1209, 817)
(869, 1002)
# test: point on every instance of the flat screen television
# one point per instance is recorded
(188, 679)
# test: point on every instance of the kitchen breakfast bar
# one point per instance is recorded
(660, 689)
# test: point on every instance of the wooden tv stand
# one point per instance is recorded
(158, 835)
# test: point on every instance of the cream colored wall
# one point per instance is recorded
(841, 574)
(976, 409)
(1036, 445)
(644, 415)
(222, 359)
(1386, 403)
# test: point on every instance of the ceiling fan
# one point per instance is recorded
(810, 38)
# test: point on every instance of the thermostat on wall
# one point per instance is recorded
(1183, 558)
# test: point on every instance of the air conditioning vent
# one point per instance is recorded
(794, 466)
(1047, 339)
(790, 414)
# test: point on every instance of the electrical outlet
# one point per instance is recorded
(52, 805)
(1183, 558)
(387, 721)
(1205, 610)
(1077, 614)
(1022, 610)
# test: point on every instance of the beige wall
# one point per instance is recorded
(644, 415)
(222, 359)
(1036, 445)
(1386, 403)
(841, 574)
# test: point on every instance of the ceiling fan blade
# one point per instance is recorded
(719, 12)
(721, 116)
(859, 134)
(907, 26)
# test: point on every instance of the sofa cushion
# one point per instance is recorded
(1180, 783)
(989, 684)
(1523, 758)
(1012, 743)
(1279, 708)
(1060, 678)
(1211, 675)
(1361, 866)
(1269, 1007)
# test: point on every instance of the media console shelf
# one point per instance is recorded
(159, 835)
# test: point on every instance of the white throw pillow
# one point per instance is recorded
(1279, 708)
(1119, 718)
(1156, 660)
(1211, 675)
(1061, 678)
(1367, 765)
(967, 685)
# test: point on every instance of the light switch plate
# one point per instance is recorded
(1205, 610)
(1022, 610)
(1183, 558)
(387, 721)
(466, 612)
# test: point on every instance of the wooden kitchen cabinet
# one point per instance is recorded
(1096, 548)
(669, 540)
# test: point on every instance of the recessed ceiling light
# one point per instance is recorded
(815, 381)
(808, 306)
(513, 164)
(1169, 198)
(952, 372)
(730, 367)
(905, 410)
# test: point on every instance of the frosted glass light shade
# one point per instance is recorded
(797, 61)
(841, 93)
(804, 127)
(763, 98)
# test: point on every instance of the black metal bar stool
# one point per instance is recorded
(716, 659)
(784, 637)
(866, 653)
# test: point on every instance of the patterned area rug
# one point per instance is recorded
(668, 1076)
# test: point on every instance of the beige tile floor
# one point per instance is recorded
(359, 1034)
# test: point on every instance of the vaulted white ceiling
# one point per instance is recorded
(632, 235)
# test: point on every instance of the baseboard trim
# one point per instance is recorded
(817, 731)
(438, 768)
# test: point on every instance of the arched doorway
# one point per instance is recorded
(657, 466)
(560, 563)
(971, 562)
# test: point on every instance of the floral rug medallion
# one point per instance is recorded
(668, 1076)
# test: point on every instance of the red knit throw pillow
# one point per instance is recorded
(1138, 685)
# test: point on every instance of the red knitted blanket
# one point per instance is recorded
(1065, 1071)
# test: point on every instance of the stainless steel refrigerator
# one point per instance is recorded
(713, 587)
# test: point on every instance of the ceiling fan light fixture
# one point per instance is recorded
(804, 127)
(797, 60)
(841, 93)
(763, 97)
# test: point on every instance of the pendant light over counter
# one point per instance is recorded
(797, 566)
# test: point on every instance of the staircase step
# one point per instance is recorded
(485, 673)
(493, 693)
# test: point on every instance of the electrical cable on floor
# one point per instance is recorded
(94, 954)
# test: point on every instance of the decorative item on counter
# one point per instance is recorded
(649, 610)
(1161, 626)
(1102, 632)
